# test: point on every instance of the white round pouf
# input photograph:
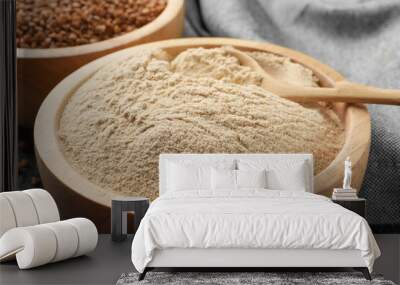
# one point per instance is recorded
(7, 218)
(23, 208)
(67, 240)
(87, 233)
(31, 232)
(40, 244)
(45, 205)
(32, 246)
(26, 208)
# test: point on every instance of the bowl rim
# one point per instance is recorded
(171, 11)
(47, 144)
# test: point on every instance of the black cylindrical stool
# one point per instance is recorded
(120, 207)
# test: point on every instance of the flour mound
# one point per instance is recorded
(117, 123)
(284, 69)
(214, 63)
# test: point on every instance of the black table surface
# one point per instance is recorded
(102, 266)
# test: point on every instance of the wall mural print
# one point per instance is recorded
(103, 95)
(195, 129)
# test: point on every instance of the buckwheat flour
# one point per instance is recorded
(214, 63)
(283, 68)
(116, 124)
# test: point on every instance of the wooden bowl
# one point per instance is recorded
(39, 70)
(77, 196)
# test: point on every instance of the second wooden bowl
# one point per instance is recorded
(39, 70)
(77, 196)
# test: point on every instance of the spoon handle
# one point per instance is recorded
(368, 94)
(344, 91)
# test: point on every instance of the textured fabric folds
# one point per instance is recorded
(359, 38)
(251, 218)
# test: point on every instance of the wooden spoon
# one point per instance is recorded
(343, 91)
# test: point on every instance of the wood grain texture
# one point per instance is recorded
(39, 70)
(341, 91)
(77, 196)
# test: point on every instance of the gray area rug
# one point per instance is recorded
(359, 38)
(269, 278)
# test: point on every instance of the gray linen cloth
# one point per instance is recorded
(359, 38)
